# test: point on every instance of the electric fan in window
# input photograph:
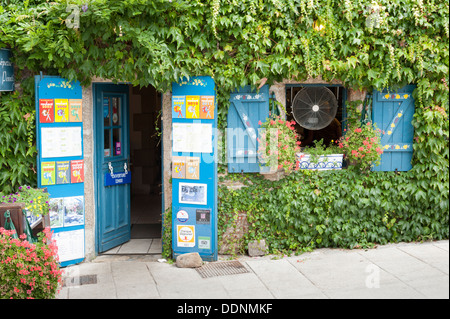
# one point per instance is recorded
(314, 108)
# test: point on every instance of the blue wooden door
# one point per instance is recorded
(393, 113)
(111, 156)
(247, 108)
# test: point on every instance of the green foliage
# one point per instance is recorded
(312, 209)
(167, 234)
(17, 149)
(364, 44)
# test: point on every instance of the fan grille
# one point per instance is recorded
(314, 108)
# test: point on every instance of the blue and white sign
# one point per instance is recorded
(117, 178)
(6, 71)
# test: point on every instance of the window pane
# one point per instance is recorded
(117, 142)
(106, 112)
(115, 101)
(107, 143)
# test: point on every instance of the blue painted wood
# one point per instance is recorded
(112, 202)
(247, 108)
(393, 113)
(55, 87)
(185, 214)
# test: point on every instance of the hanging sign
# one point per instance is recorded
(117, 178)
(6, 71)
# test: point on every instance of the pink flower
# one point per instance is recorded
(358, 130)
(260, 123)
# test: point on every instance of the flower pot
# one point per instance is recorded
(325, 162)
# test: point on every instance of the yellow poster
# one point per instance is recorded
(192, 106)
(185, 236)
(61, 110)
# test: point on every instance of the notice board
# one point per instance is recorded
(60, 162)
(194, 168)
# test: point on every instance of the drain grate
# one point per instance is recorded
(80, 280)
(223, 268)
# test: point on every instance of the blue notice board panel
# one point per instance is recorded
(194, 168)
(59, 132)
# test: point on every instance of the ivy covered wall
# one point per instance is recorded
(364, 44)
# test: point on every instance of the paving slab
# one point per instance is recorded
(283, 280)
(133, 280)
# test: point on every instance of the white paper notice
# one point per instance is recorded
(192, 137)
(61, 141)
(70, 244)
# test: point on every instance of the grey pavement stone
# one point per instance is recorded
(395, 271)
(283, 280)
(133, 281)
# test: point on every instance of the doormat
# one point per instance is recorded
(222, 268)
(142, 231)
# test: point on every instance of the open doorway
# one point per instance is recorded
(145, 163)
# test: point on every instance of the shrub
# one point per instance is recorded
(278, 143)
(362, 146)
(28, 271)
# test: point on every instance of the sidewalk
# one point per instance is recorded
(394, 271)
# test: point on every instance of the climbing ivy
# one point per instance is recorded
(311, 209)
(364, 44)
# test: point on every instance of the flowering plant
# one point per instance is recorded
(278, 143)
(362, 146)
(28, 270)
(35, 199)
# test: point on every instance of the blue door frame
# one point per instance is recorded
(111, 154)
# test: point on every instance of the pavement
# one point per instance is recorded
(393, 271)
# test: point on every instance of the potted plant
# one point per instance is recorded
(278, 142)
(35, 202)
(362, 146)
(320, 157)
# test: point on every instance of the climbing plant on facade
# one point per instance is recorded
(363, 44)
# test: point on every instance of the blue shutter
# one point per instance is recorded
(247, 108)
(393, 113)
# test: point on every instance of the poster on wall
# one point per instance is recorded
(185, 236)
(192, 167)
(48, 173)
(178, 167)
(61, 141)
(61, 110)
(62, 172)
(70, 244)
(207, 107)
(192, 137)
(75, 110)
(178, 107)
(192, 107)
(190, 193)
(46, 111)
(77, 171)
